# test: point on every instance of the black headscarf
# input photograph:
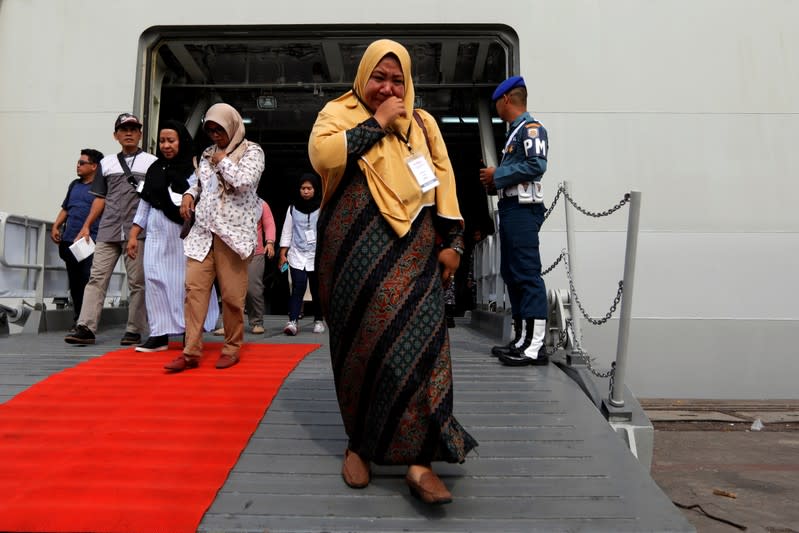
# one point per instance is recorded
(309, 206)
(170, 173)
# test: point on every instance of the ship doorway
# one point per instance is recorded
(280, 77)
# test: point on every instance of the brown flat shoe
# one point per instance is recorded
(355, 470)
(430, 489)
(181, 363)
(226, 361)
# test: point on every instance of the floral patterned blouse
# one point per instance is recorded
(230, 210)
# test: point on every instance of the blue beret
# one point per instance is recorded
(507, 85)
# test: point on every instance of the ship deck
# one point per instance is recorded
(547, 459)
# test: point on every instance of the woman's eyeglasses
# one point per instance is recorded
(215, 131)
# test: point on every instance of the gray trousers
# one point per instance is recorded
(254, 304)
(106, 255)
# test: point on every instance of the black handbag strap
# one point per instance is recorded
(126, 169)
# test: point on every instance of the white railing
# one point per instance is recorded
(31, 269)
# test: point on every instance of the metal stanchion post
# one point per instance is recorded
(616, 400)
(575, 357)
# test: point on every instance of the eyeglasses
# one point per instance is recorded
(82, 162)
(215, 131)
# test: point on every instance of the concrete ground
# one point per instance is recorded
(707, 454)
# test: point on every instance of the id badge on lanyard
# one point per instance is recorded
(422, 172)
(310, 236)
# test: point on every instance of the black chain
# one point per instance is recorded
(609, 314)
(553, 265)
(589, 360)
(560, 344)
(554, 202)
(612, 379)
(584, 211)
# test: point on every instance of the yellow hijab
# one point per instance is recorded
(394, 188)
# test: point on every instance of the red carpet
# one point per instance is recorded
(117, 445)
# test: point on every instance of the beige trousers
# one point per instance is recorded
(106, 255)
(230, 270)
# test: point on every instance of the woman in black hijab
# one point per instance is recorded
(159, 213)
(298, 250)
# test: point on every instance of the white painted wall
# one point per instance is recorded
(693, 102)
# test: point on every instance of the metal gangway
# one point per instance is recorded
(548, 459)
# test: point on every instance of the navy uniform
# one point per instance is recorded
(521, 214)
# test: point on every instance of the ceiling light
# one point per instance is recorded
(267, 103)
(467, 120)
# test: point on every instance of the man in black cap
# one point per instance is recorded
(116, 190)
(521, 212)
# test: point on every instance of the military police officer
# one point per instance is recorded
(517, 181)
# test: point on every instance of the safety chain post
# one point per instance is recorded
(576, 357)
(615, 404)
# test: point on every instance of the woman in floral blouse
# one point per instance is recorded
(222, 239)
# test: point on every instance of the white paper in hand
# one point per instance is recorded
(82, 248)
(176, 198)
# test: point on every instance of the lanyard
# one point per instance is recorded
(406, 139)
(510, 140)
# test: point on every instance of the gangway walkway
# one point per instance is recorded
(547, 460)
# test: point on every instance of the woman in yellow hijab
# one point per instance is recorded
(390, 236)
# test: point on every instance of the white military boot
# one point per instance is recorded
(516, 342)
(530, 351)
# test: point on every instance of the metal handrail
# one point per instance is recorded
(4, 217)
(39, 267)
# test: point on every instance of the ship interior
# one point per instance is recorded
(279, 79)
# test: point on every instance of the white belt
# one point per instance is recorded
(508, 192)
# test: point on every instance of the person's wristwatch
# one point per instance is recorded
(458, 249)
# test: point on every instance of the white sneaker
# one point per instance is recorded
(291, 328)
(318, 326)
(258, 329)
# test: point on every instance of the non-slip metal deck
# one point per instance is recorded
(547, 460)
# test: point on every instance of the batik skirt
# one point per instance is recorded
(382, 298)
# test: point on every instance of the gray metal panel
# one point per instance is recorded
(547, 460)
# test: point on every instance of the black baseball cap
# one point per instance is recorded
(127, 118)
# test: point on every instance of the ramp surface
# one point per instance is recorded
(547, 460)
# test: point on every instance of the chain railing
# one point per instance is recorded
(553, 265)
(596, 214)
(618, 366)
(589, 359)
(592, 320)
(623, 293)
(564, 257)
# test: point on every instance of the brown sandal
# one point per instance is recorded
(429, 488)
(355, 470)
(181, 363)
(226, 361)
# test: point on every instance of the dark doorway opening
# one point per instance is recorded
(279, 78)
